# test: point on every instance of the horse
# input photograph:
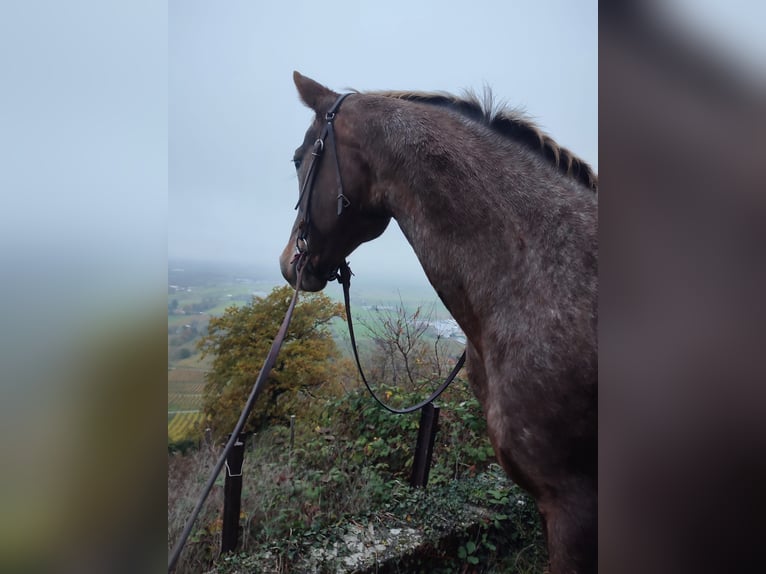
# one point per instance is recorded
(504, 223)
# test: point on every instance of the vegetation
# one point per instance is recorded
(351, 470)
(184, 425)
(402, 352)
(309, 364)
(347, 472)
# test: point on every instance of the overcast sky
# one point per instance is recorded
(235, 117)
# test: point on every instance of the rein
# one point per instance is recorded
(301, 261)
(265, 370)
(344, 278)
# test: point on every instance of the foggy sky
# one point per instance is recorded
(235, 118)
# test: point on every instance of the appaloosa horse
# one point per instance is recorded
(504, 223)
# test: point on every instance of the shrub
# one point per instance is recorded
(350, 464)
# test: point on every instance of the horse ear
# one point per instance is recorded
(313, 94)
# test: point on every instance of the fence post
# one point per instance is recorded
(292, 433)
(232, 493)
(424, 448)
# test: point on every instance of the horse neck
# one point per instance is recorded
(473, 211)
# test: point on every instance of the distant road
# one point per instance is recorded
(179, 412)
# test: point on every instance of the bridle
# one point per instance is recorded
(343, 273)
(307, 189)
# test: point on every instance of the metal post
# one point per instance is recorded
(292, 432)
(232, 493)
(424, 448)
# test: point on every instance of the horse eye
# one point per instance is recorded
(297, 162)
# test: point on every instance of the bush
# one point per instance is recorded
(350, 464)
(181, 446)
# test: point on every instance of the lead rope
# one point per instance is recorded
(265, 370)
(344, 278)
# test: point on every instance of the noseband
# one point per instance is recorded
(307, 189)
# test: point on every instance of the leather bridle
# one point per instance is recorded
(345, 280)
(307, 189)
(343, 273)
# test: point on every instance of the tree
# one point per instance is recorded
(404, 355)
(308, 364)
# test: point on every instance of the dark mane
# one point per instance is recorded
(508, 122)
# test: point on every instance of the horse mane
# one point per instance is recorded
(508, 122)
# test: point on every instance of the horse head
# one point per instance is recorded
(336, 210)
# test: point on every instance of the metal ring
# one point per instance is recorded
(305, 247)
(318, 150)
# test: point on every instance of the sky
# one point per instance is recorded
(234, 117)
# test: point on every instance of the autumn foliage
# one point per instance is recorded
(309, 365)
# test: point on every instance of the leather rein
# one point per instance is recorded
(343, 273)
(301, 261)
(260, 381)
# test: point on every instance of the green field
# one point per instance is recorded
(199, 291)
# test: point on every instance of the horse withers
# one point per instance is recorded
(504, 223)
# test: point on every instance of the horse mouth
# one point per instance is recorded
(311, 280)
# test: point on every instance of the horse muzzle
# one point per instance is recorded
(312, 279)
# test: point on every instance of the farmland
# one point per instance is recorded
(184, 425)
(196, 292)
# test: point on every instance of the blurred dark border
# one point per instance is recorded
(681, 412)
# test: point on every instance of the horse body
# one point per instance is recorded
(509, 242)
